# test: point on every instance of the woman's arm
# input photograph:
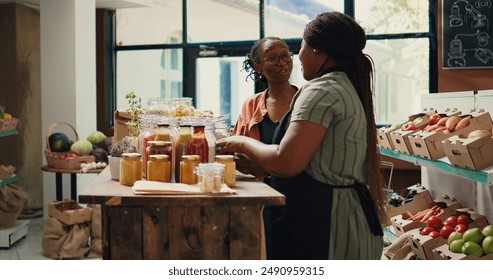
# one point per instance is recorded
(288, 158)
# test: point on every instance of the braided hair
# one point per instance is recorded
(341, 37)
(254, 57)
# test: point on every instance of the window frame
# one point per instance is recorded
(107, 51)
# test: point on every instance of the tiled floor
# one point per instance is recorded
(29, 247)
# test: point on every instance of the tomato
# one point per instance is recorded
(434, 234)
(434, 222)
(434, 119)
(463, 219)
(451, 221)
(71, 155)
(446, 231)
(461, 228)
(62, 157)
(426, 230)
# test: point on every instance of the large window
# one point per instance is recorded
(195, 48)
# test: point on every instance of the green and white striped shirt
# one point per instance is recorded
(332, 101)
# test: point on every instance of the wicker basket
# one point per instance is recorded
(53, 158)
(8, 124)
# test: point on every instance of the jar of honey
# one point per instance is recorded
(229, 168)
(157, 148)
(187, 169)
(158, 168)
(130, 168)
(181, 147)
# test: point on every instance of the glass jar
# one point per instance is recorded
(221, 130)
(130, 168)
(162, 132)
(181, 107)
(198, 143)
(158, 106)
(156, 148)
(181, 147)
(187, 169)
(158, 168)
(229, 168)
(210, 177)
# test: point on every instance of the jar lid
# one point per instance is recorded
(159, 157)
(210, 169)
(225, 157)
(131, 155)
(191, 157)
(159, 143)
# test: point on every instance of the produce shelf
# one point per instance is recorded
(9, 180)
(8, 132)
(483, 176)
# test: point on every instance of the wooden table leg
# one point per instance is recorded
(73, 186)
(59, 187)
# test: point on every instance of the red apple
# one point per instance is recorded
(463, 219)
(446, 231)
(434, 234)
(461, 228)
(451, 221)
(426, 230)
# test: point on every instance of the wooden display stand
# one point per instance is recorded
(190, 226)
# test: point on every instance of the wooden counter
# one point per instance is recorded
(181, 226)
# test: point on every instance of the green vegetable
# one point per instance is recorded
(96, 137)
(81, 147)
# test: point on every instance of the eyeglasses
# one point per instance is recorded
(274, 59)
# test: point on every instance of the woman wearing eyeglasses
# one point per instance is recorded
(271, 62)
(324, 156)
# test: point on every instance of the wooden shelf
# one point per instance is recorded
(482, 176)
(8, 132)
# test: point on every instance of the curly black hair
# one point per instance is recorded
(254, 57)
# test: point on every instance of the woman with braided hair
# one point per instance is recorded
(330, 171)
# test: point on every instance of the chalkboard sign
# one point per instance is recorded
(467, 33)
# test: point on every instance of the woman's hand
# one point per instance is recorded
(231, 144)
(245, 165)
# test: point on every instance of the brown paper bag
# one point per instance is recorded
(62, 241)
(96, 233)
(120, 119)
(12, 201)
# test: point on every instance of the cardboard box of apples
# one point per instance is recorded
(436, 231)
(428, 142)
(472, 241)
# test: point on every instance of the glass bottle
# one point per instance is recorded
(158, 168)
(130, 168)
(162, 132)
(198, 143)
(187, 169)
(211, 141)
(181, 148)
(229, 168)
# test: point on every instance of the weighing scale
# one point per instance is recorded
(13, 234)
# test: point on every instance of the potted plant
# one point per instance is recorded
(135, 109)
(124, 145)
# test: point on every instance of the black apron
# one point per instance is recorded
(301, 228)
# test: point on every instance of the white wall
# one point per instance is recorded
(68, 76)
